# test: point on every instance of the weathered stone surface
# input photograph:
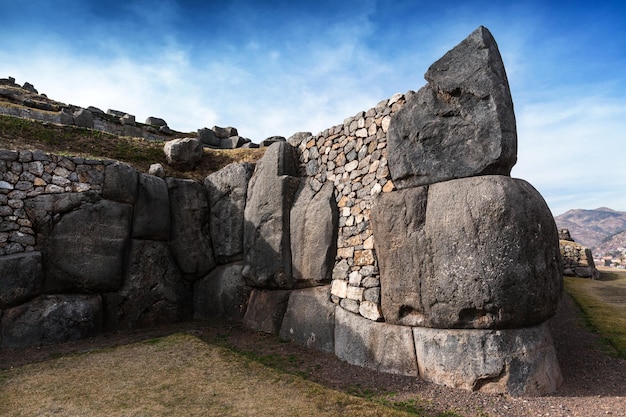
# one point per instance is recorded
(190, 238)
(519, 362)
(183, 153)
(120, 183)
(266, 310)
(222, 293)
(565, 235)
(480, 253)
(156, 121)
(461, 123)
(227, 190)
(267, 248)
(207, 137)
(380, 346)
(577, 260)
(21, 278)
(41, 208)
(51, 319)
(86, 248)
(232, 142)
(153, 290)
(83, 118)
(310, 319)
(225, 132)
(297, 138)
(313, 226)
(152, 210)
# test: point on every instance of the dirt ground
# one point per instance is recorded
(594, 381)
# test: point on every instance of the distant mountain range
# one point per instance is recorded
(602, 230)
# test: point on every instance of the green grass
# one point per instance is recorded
(603, 305)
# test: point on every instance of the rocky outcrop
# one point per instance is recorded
(461, 123)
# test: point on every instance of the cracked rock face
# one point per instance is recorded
(461, 123)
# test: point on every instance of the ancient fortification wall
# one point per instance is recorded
(396, 240)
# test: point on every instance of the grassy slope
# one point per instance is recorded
(21, 134)
(603, 304)
(178, 375)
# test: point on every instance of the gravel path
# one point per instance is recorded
(594, 382)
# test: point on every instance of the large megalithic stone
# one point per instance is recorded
(461, 123)
(477, 252)
(266, 237)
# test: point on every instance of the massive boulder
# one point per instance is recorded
(153, 291)
(477, 252)
(120, 183)
(183, 153)
(267, 248)
(313, 228)
(51, 319)
(227, 190)
(86, 247)
(190, 238)
(266, 310)
(461, 123)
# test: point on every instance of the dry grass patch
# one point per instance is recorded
(178, 375)
(603, 303)
(22, 134)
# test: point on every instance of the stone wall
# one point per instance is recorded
(353, 158)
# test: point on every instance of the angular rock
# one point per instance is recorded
(232, 142)
(83, 118)
(266, 310)
(481, 253)
(207, 137)
(225, 132)
(153, 290)
(273, 139)
(461, 123)
(51, 319)
(518, 362)
(190, 238)
(314, 222)
(155, 121)
(267, 248)
(86, 248)
(120, 183)
(297, 138)
(151, 218)
(66, 118)
(43, 207)
(222, 293)
(127, 120)
(227, 189)
(21, 278)
(184, 153)
(380, 346)
(310, 319)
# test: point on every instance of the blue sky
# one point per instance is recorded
(278, 67)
